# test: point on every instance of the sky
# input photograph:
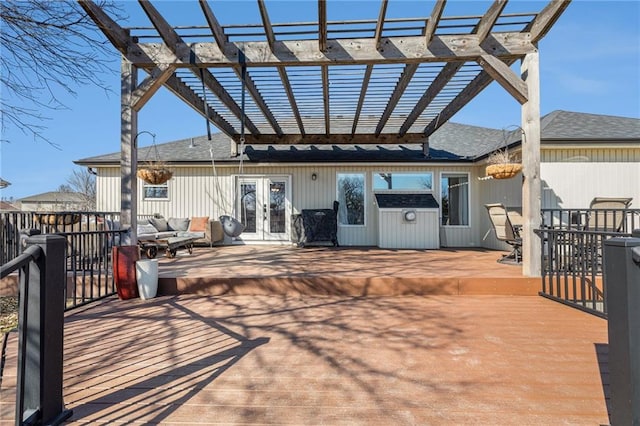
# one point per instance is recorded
(589, 62)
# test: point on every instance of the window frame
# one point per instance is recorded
(148, 185)
(364, 199)
(448, 174)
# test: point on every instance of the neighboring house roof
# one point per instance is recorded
(583, 126)
(53, 197)
(7, 206)
(451, 142)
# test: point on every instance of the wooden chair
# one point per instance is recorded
(505, 232)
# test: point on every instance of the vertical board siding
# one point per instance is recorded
(582, 155)
(193, 191)
(395, 233)
(574, 185)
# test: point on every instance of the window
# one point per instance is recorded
(455, 198)
(403, 181)
(156, 192)
(351, 199)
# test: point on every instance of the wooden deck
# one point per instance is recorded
(401, 360)
(275, 335)
(341, 271)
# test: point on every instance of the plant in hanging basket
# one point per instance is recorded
(154, 173)
(502, 165)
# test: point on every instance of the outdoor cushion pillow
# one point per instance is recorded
(198, 224)
(178, 223)
(146, 229)
(160, 223)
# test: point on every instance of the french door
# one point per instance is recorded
(264, 204)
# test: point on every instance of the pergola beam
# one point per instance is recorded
(377, 36)
(363, 94)
(546, 19)
(172, 40)
(401, 86)
(184, 92)
(482, 80)
(118, 36)
(217, 30)
(445, 75)
(284, 77)
(322, 25)
(145, 91)
(221, 40)
(434, 19)
(501, 72)
(489, 20)
(359, 51)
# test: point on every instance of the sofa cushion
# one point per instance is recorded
(198, 224)
(157, 236)
(179, 223)
(160, 223)
(146, 229)
(191, 234)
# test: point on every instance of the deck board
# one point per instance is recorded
(300, 359)
(344, 271)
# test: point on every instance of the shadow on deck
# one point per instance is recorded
(342, 271)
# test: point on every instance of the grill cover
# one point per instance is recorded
(315, 225)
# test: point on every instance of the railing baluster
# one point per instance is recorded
(572, 262)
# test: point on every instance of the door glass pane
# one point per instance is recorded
(351, 199)
(277, 194)
(455, 199)
(248, 206)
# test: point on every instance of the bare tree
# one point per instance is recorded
(83, 183)
(47, 47)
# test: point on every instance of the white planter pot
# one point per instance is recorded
(147, 278)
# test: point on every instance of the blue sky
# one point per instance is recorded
(589, 62)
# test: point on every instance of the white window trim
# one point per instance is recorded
(147, 185)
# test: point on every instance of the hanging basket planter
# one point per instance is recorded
(154, 174)
(503, 170)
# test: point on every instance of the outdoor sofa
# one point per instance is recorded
(193, 231)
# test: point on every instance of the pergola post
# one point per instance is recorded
(129, 150)
(531, 184)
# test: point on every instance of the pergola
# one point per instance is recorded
(402, 77)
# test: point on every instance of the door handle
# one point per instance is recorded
(264, 211)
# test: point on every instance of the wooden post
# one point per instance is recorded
(531, 184)
(129, 153)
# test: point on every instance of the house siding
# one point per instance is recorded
(193, 191)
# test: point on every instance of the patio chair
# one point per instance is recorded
(605, 215)
(610, 219)
(505, 232)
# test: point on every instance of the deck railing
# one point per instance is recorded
(14, 224)
(40, 337)
(88, 244)
(572, 253)
(88, 266)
